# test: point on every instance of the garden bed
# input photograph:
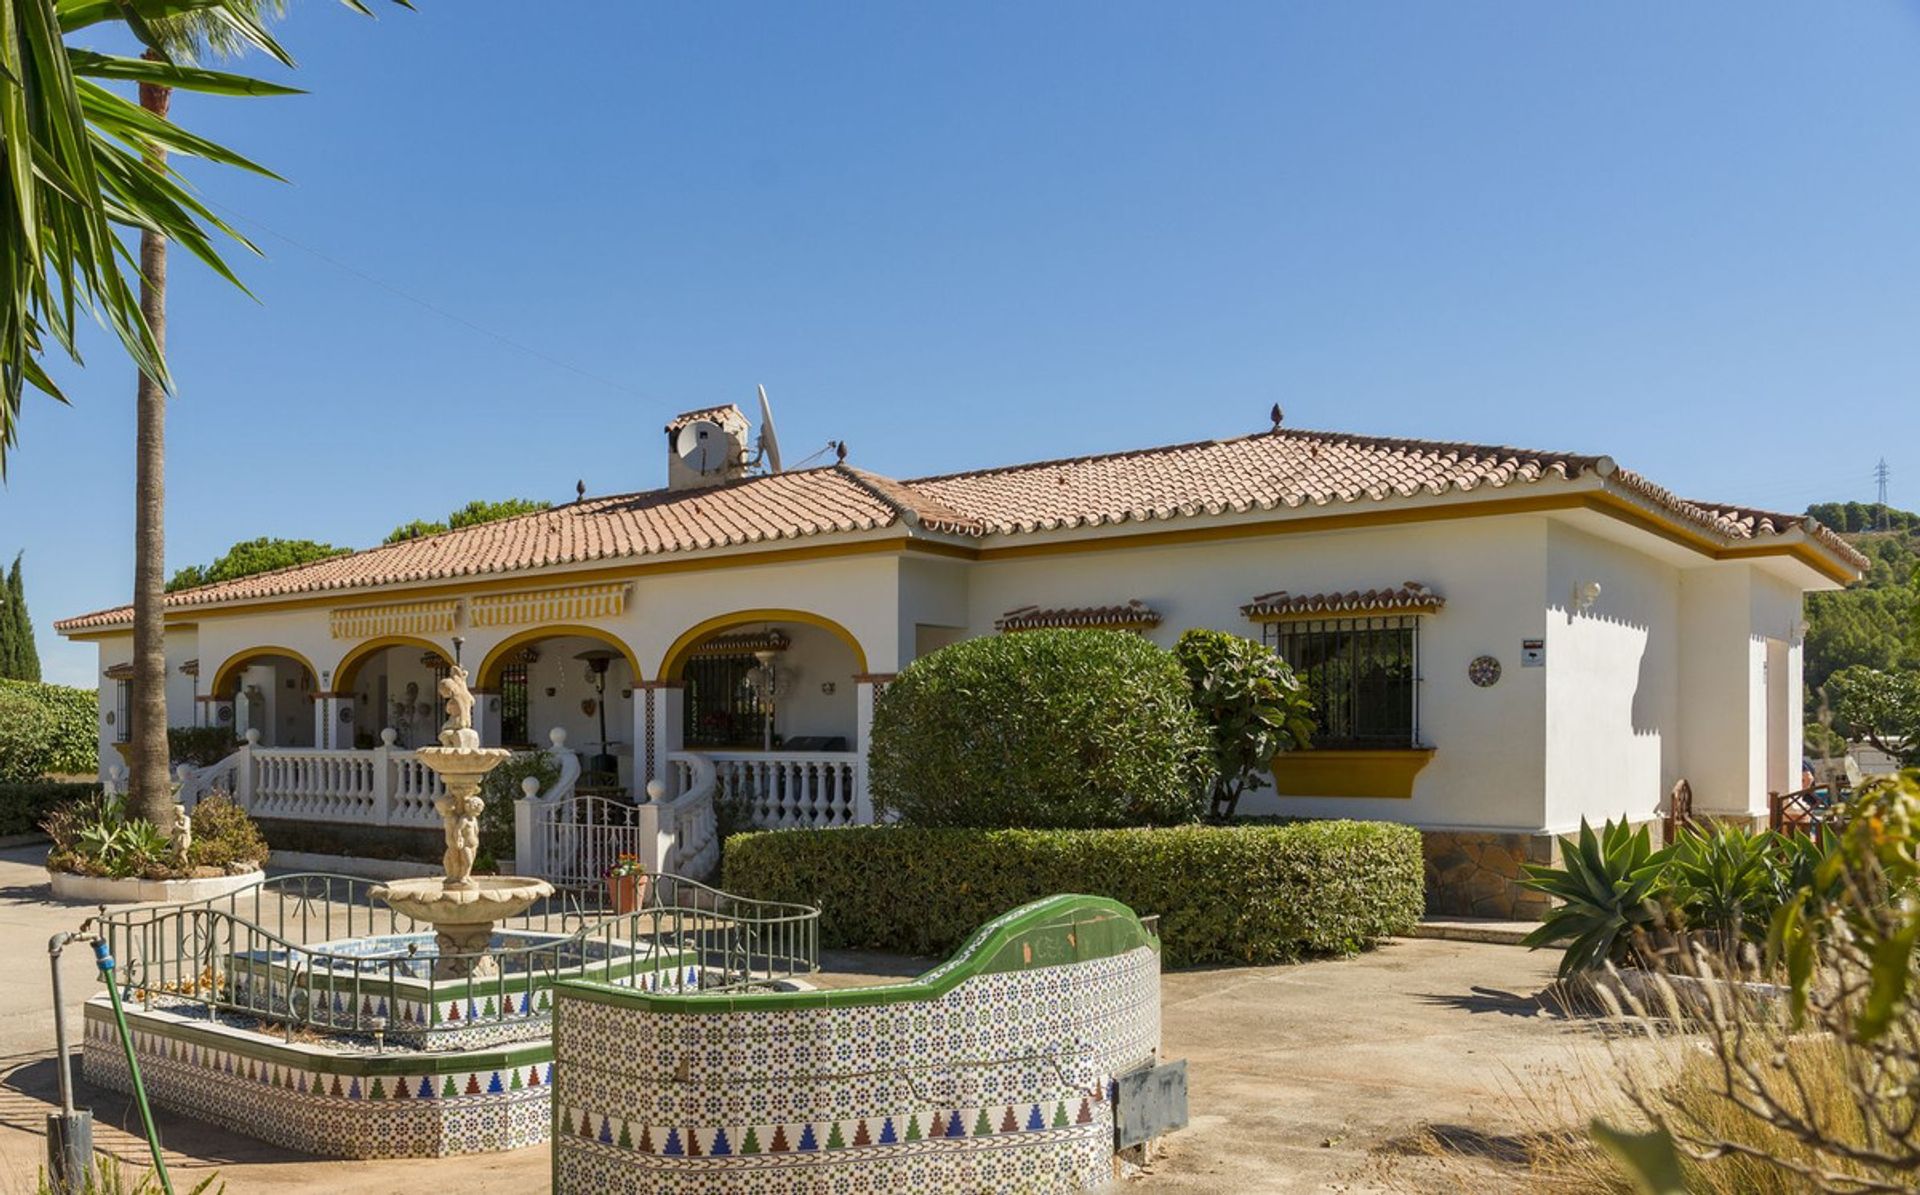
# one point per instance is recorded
(112, 890)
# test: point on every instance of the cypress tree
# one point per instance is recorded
(26, 657)
(9, 653)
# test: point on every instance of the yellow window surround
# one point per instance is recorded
(1349, 772)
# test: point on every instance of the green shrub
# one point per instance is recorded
(223, 835)
(1607, 892)
(200, 746)
(47, 730)
(24, 806)
(500, 790)
(1251, 704)
(1224, 894)
(1042, 729)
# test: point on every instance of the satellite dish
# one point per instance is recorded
(769, 442)
(702, 447)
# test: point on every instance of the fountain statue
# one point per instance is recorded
(462, 909)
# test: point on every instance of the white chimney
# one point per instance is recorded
(706, 447)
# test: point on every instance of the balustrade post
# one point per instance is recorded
(244, 780)
(528, 857)
(653, 831)
(384, 778)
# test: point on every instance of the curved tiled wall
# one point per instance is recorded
(993, 1071)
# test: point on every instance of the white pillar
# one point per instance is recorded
(656, 730)
(871, 686)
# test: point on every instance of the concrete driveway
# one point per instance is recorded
(1302, 1077)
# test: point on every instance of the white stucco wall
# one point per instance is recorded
(1488, 764)
(1612, 681)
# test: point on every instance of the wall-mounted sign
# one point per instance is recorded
(1533, 653)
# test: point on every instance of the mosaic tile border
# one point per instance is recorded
(393, 1105)
(994, 1071)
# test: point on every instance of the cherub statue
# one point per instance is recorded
(458, 730)
(182, 833)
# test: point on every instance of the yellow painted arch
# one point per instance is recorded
(228, 675)
(675, 661)
(488, 677)
(348, 669)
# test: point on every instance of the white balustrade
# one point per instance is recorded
(784, 790)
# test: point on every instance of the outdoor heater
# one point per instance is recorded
(596, 660)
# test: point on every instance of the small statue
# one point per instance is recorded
(460, 822)
(458, 730)
(182, 833)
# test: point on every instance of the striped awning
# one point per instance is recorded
(1134, 616)
(572, 603)
(1410, 597)
(400, 618)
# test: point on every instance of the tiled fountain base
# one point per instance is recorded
(400, 1104)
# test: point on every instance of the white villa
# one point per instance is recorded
(1500, 641)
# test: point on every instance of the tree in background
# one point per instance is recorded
(471, 515)
(19, 657)
(1881, 708)
(251, 556)
(1252, 704)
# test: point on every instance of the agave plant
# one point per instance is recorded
(1606, 892)
(1727, 882)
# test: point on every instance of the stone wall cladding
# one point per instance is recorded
(1477, 873)
(1002, 1082)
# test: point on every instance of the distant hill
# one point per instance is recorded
(1868, 623)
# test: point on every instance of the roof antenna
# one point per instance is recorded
(580, 490)
(840, 451)
(1278, 415)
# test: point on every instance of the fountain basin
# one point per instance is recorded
(484, 900)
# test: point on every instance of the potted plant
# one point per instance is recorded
(627, 883)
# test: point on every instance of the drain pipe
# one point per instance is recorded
(70, 1130)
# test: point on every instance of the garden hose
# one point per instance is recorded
(104, 958)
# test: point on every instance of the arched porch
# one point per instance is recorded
(270, 690)
(580, 679)
(388, 682)
(778, 701)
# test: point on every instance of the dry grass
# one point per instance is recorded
(1682, 1079)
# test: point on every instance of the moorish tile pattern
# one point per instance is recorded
(992, 1072)
(393, 1105)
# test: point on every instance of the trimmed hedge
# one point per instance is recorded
(1225, 894)
(23, 806)
(1054, 729)
(46, 730)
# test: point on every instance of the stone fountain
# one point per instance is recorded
(461, 908)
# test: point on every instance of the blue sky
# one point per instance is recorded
(961, 235)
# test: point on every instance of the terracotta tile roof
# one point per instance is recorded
(121, 671)
(1285, 469)
(1410, 597)
(766, 509)
(1134, 616)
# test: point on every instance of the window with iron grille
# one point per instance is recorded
(1361, 673)
(123, 711)
(513, 705)
(717, 707)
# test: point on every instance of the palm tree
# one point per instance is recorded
(187, 38)
(78, 161)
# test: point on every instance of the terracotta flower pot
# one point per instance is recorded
(627, 893)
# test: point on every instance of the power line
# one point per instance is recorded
(428, 305)
(1880, 475)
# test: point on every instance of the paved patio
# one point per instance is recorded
(1303, 1078)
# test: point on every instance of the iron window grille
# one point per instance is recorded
(718, 708)
(513, 705)
(1362, 675)
(123, 711)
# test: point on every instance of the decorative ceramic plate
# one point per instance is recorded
(1484, 671)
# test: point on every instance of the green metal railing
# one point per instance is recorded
(316, 952)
